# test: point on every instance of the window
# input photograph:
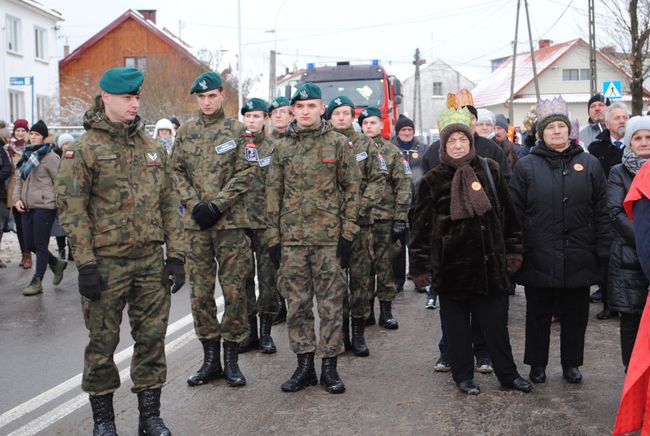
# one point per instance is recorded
(13, 34)
(570, 74)
(136, 62)
(40, 40)
(41, 107)
(437, 88)
(584, 74)
(16, 105)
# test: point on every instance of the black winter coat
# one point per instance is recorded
(628, 285)
(484, 147)
(607, 153)
(6, 170)
(561, 200)
(464, 257)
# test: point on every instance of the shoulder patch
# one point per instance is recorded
(350, 144)
(407, 167)
(382, 162)
(250, 152)
(265, 161)
(226, 146)
(69, 154)
(362, 156)
(152, 158)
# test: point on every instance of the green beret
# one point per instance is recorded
(338, 102)
(207, 82)
(254, 104)
(306, 91)
(122, 81)
(279, 102)
(369, 112)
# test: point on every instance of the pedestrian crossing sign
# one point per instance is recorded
(613, 89)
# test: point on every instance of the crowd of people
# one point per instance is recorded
(306, 202)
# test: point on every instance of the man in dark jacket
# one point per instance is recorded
(596, 107)
(6, 170)
(608, 148)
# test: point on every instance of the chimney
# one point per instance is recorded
(148, 14)
(543, 43)
(66, 50)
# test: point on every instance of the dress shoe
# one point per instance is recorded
(469, 387)
(538, 374)
(519, 384)
(572, 374)
(606, 314)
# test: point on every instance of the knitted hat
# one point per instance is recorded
(501, 121)
(20, 124)
(402, 122)
(635, 124)
(485, 116)
(41, 128)
(451, 121)
(64, 138)
(549, 111)
(598, 97)
(163, 124)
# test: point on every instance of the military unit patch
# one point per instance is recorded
(152, 158)
(265, 161)
(382, 162)
(250, 153)
(407, 167)
(362, 156)
(226, 146)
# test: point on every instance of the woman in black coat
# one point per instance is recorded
(628, 285)
(560, 195)
(466, 236)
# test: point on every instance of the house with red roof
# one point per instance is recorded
(562, 69)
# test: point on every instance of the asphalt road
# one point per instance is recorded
(393, 391)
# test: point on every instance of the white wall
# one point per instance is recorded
(24, 63)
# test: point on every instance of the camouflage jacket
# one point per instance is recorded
(115, 194)
(256, 197)
(213, 162)
(396, 199)
(373, 174)
(312, 188)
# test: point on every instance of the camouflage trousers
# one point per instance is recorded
(357, 302)
(385, 250)
(267, 301)
(230, 250)
(306, 271)
(136, 283)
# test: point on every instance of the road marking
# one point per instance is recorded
(74, 382)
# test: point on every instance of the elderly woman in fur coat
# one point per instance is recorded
(467, 237)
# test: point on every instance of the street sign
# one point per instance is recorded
(613, 89)
(20, 81)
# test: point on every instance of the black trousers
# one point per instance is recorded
(573, 305)
(37, 225)
(478, 340)
(491, 312)
(629, 328)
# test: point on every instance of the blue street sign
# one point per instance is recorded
(613, 89)
(19, 81)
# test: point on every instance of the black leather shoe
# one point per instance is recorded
(329, 377)
(537, 374)
(469, 387)
(386, 319)
(606, 314)
(519, 384)
(211, 368)
(572, 374)
(303, 376)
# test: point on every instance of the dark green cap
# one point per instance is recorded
(368, 112)
(306, 91)
(254, 104)
(279, 102)
(122, 81)
(207, 82)
(339, 101)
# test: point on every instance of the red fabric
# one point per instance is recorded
(634, 409)
(640, 187)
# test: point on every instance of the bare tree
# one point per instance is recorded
(630, 32)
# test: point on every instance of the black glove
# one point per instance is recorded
(176, 269)
(206, 215)
(399, 231)
(91, 283)
(344, 251)
(275, 253)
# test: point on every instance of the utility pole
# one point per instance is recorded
(514, 62)
(593, 81)
(532, 52)
(272, 76)
(240, 61)
(417, 94)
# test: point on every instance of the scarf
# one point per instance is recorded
(632, 161)
(31, 158)
(405, 145)
(468, 197)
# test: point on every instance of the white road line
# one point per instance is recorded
(73, 382)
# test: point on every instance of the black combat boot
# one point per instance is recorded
(359, 347)
(371, 318)
(330, 378)
(252, 340)
(281, 316)
(345, 332)
(266, 341)
(303, 376)
(211, 368)
(386, 319)
(103, 415)
(150, 422)
(231, 371)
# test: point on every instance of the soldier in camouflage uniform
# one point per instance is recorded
(214, 169)
(117, 205)
(389, 228)
(266, 305)
(340, 112)
(312, 189)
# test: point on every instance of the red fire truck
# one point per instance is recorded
(366, 85)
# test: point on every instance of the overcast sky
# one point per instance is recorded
(464, 33)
